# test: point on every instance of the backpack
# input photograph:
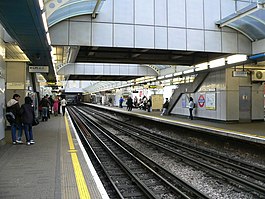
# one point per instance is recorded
(10, 117)
(194, 105)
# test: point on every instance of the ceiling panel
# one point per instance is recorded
(22, 20)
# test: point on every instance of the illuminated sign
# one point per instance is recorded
(152, 86)
(38, 69)
(240, 74)
(15, 85)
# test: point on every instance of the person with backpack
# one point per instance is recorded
(27, 116)
(191, 107)
(12, 108)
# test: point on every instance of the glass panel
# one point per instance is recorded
(73, 8)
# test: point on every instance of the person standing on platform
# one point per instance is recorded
(14, 107)
(165, 107)
(120, 102)
(51, 101)
(59, 105)
(63, 104)
(27, 116)
(110, 101)
(129, 103)
(44, 103)
(191, 107)
(56, 106)
(149, 104)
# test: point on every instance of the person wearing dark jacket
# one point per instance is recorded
(13, 106)
(129, 103)
(45, 104)
(27, 116)
(149, 104)
(165, 107)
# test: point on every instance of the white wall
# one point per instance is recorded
(214, 83)
(226, 89)
(155, 24)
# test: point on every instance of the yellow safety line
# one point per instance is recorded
(80, 180)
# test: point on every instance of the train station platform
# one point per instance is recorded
(252, 132)
(56, 166)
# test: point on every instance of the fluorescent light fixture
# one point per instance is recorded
(153, 79)
(48, 38)
(44, 21)
(188, 71)
(169, 75)
(178, 73)
(202, 66)
(236, 58)
(41, 4)
(217, 63)
(161, 77)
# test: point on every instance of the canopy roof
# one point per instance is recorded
(250, 21)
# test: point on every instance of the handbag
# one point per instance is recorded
(35, 122)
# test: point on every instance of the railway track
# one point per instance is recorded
(245, 176)
(127, 173)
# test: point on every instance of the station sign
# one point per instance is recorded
(15, 85)
(38, 69)
(240, 74)
(152, 86)
(201, 101)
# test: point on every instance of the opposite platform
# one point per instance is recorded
(253, 132)
(54, 167)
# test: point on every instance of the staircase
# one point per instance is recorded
(186, 88)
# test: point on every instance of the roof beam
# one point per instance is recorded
(95, 9)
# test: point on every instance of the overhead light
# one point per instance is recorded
(217, 63)
(169, 75)
(236, 58)
(202, 66)
(161, 77)
(48, 38)
(44, 21)
(178, 73)
(188, 71)
(41, 4)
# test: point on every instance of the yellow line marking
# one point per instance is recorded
(72, 151)
(80, 180)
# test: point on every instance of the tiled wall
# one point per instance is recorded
(155, 24)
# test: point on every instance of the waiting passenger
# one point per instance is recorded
(27, 116)
(14, 107)
(44, 103)
(149, 104)
(120, 102)
(110, 101)
(56, 106)
(63, 103)
(129, 103)
(165, 107)
(191, 106)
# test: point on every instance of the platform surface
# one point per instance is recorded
(49, 168)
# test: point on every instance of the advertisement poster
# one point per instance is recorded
(210, 101)
(183, 102)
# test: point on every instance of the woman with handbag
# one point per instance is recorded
(28, 116)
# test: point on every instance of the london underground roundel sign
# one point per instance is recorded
(201, 101)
